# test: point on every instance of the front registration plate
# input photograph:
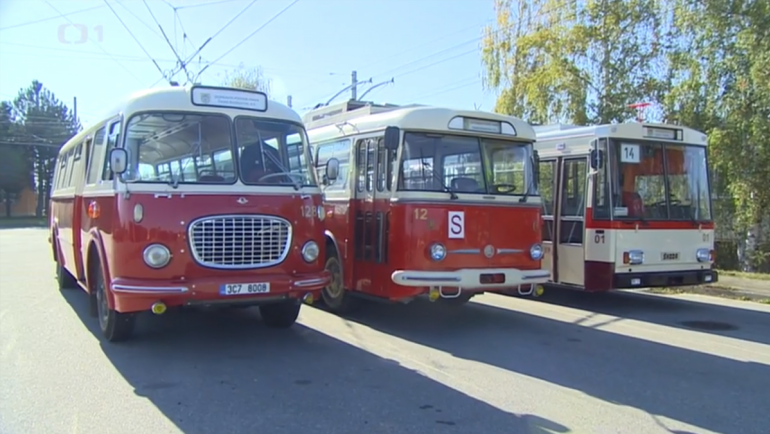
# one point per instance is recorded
(244, 288)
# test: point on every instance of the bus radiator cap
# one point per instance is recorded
(308, 299)
(158, 308)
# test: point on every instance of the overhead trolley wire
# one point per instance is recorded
(42, 20)
(97, 44)
(134, 36)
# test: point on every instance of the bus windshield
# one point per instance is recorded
(659, 181)
(185, 148)
(435, 162)
(272, 152)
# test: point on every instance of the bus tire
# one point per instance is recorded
(64, 278)
(115, 326)
(335, 296)
(280, 315)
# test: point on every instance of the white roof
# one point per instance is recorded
(625, 130)
(415, 118)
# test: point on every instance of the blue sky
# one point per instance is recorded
(430, 47)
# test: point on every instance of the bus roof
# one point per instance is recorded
(354, 117)
(629, 130)
(180, 98)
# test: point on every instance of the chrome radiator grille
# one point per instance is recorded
(239, 241)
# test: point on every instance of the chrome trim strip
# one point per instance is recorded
(509, 251)
(149, 289)
(308, 282)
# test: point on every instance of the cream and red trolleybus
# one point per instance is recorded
(626, 206)
(428, 201)
(190, 196)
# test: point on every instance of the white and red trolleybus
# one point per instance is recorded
(429, 200)
(626, 206)
(190, 196)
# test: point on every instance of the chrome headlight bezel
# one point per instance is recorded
(703, 255)
(536, 252)
(156, 256)
(635, 257)
(310, 251)
(437, 252)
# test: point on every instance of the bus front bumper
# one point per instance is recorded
(665, 279)
(471, 278)
(136, 295)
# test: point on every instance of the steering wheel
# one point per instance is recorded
(504, 188)
(286, 174)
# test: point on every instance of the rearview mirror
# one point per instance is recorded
(392, 138)
(118, 161)
(597, 159)
(332, 169)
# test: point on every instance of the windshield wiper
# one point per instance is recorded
(281, 167)
(452, 194)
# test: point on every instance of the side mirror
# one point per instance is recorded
(392, 138)
(597, 159)
(118, 161)
(332, 170)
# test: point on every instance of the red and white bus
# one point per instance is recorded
(190, 196)
(429, 200)
(626, 206)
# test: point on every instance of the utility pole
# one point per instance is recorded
(75, 107)
(288, 101)
(354, 83)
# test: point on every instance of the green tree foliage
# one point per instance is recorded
(704, 64)
(40, 125)
(247, 78)
(15, 167)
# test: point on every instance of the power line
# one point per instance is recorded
(165, 37)
(273, 18)
(133, 36)
(28, 23)
(140, 20)
(97, 44)
(459, 84)
(199, 5)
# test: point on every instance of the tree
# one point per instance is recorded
(247, 78)
(15, 170)
(45, 124)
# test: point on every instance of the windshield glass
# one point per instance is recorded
(272, 152)
(188, 148)
(431, 162)
(660, 181)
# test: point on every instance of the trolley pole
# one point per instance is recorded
(354, 83)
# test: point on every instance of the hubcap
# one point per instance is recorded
(335, 286)
(102, 306)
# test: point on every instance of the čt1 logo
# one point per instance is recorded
(79, 33)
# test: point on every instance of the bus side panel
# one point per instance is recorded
(340, 223)
(103, 224)
(599, 266)
(63, 209)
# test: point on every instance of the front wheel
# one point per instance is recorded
(115, 326)
(334, 295)
(280, 315)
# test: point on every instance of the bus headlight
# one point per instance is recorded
(703, 255)
(634, 257)
(156, 255)
(310, 251)
(437, 252)
(536, 252)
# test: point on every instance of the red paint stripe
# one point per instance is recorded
(592, 223)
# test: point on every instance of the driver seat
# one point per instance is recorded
(250, 162)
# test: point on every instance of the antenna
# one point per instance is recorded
(392, 80)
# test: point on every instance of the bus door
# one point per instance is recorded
(77, 181)
(548, 187)
(569, 247)
(364, 213)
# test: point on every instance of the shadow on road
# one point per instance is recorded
(225, 372)
(722, 320)
(711, 392)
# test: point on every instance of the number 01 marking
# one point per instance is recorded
(420, 214)
(706, 238)
(599, 239)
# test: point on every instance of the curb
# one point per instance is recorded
(721, 291)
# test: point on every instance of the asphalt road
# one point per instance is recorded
(624, 363)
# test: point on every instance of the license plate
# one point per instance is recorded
(244, 288)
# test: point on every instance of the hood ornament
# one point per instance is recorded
(489, 251)
(242, 200)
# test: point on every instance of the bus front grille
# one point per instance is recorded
(240, 241)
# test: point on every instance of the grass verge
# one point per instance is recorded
(714, 291)
(744, 275)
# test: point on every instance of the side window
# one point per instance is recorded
(601, 188)
(546, 184)
(573, 199)
(97, 157)
(112, 141)
(61, 169)
(383, 164)
(391, 168)
(361, 164)
(340, 150)
(371, 157)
